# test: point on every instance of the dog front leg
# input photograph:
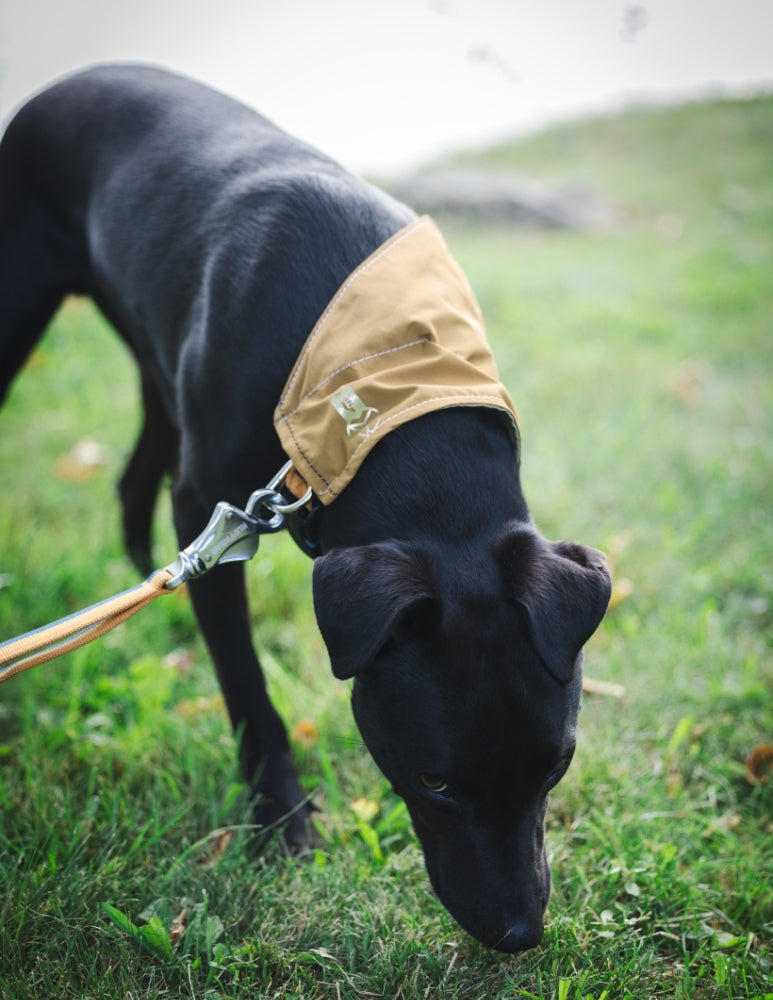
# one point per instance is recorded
(220, 603)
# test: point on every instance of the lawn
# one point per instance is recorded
(641, 363)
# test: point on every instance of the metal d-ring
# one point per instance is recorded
(276, 482)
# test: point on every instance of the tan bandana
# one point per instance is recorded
(402, 336)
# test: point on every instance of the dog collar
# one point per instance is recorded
(402, 336)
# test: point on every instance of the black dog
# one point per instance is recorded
(212, 241)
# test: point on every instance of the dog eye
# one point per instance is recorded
(434, 784)
(560, 770)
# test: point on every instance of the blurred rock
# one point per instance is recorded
(496, 196)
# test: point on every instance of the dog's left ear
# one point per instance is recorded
(366, 597)
(564, 587)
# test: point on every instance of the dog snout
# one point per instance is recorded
(520, 937)
(505, 918)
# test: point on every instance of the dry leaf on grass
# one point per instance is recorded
(759, 764)
(81, 461)
(177, 930)
(305, 733)
(216, 847)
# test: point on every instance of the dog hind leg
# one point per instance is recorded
(39, 264)
(154, 456)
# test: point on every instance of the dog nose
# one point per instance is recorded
(520, 937)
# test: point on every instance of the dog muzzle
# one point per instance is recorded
(403, 336)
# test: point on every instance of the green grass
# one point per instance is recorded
(641, 362)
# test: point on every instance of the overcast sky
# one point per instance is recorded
(384, 84)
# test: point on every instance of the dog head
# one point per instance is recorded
(467, 679)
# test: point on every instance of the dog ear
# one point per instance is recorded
(564, 587)
(367, 596)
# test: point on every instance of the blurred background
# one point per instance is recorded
(383, 85)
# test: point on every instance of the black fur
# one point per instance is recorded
(212, 241)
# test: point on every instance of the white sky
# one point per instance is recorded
(384, 84)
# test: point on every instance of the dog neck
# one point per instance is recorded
(451, 475)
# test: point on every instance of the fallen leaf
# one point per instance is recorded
(305, 733)
(80, 463)
(216, 847)
(759, 764)
(177, 930)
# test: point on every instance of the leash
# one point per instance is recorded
(232, 535)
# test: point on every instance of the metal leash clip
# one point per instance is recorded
(232, 534)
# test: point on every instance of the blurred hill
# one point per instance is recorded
(599, 173)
